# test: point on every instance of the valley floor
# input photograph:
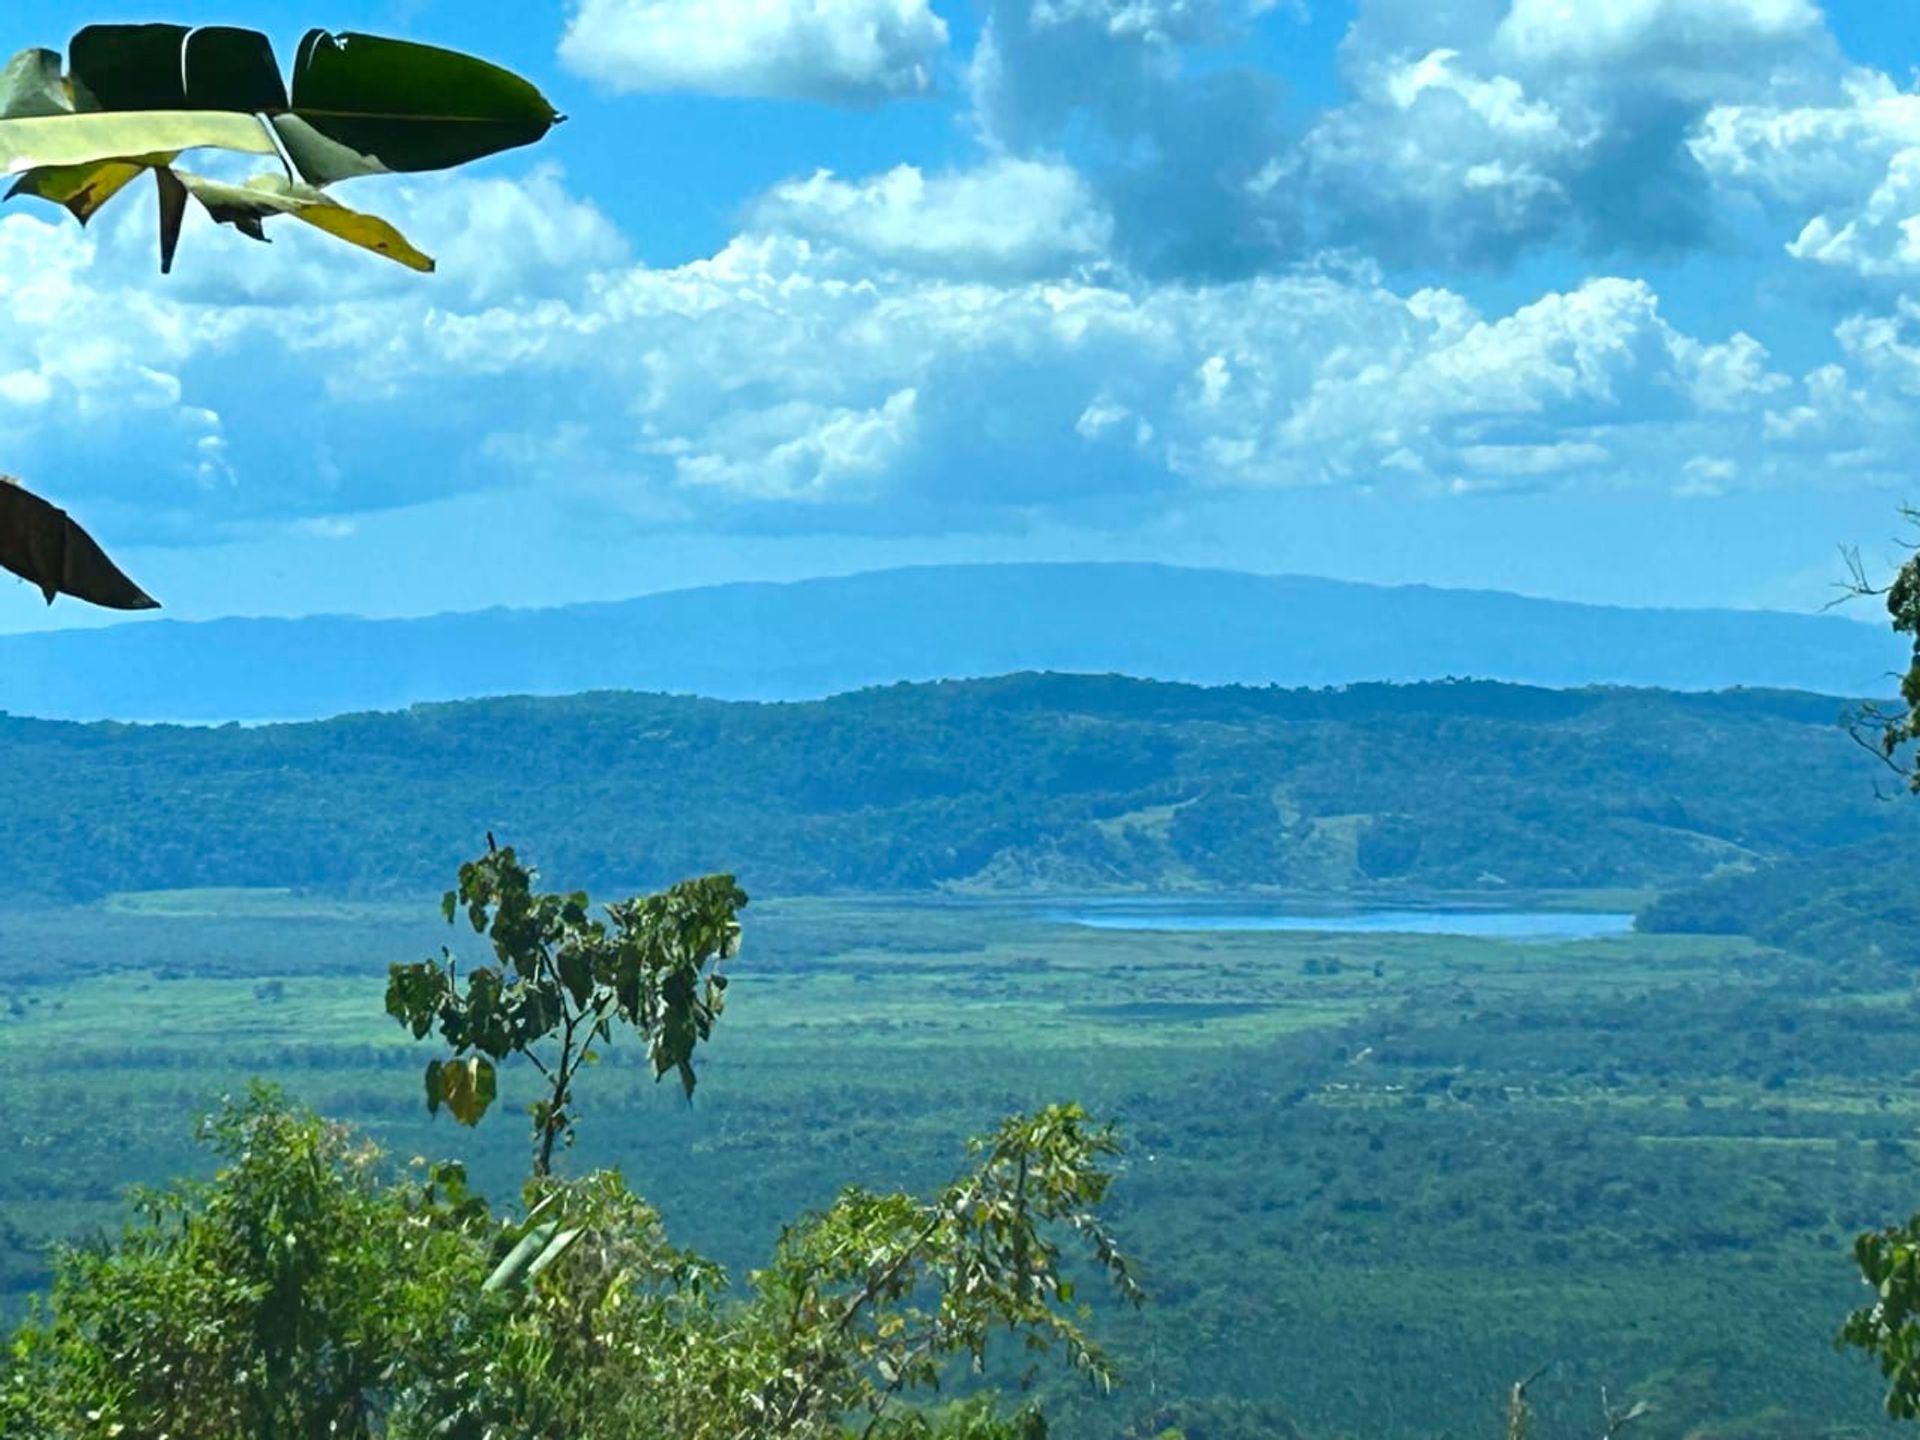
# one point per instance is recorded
(1372, 1178)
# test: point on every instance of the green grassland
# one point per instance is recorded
(1372, 1179)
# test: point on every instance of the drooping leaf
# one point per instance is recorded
(467, 1088)
(366, 105)
(40, 542)
(83, 189)
(173, 212)
(33, 85)
(433, 1083)
(137, 96)
(245, 206)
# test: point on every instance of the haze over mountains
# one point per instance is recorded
(821, 637)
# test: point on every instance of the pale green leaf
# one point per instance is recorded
(35, 141)
(33, 85)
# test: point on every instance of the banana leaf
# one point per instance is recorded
(41, 543)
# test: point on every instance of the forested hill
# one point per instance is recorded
(824, 637)
(1849, 905)
(1028, 780)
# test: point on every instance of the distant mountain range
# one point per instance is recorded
(822, 637)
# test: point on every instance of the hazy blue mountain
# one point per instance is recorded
(822, 637)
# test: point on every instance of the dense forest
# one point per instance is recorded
(1028, 781)
(1845, 905)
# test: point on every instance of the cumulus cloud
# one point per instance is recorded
(1475, 129)
(1479, 130)
(1844, 175)
(1007, 217)
(778, 373)
(1682, 42)
(1173, 148)
(858, 358)
(845, 51)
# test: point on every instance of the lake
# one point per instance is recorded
(1486, 924)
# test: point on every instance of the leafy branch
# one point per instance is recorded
(562, 983)
(881, 1292)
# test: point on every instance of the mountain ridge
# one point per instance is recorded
(1023, 781)
(803, 640)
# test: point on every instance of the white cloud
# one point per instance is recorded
(1553, 459)
(1006, 217)
(1845, 175)
(799, 451)
(855, 377)
(1479, 130)
(1670, 35)
(1706, 477)
(847, 51)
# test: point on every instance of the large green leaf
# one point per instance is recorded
(174, 67)
(366, 105)
(136, 96)
(40, 542)
(31, 142)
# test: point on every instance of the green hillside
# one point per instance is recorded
(1025, 781)
(1845, 905)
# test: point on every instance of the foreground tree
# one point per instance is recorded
(1888, 1328)
(308, 1291)
(563, 984)
(132, 99)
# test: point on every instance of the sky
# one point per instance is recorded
(1610, 302)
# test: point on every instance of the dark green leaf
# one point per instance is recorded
(128, 67)
(364, 105)
(41, 543)
(173, 211)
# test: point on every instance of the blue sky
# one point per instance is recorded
(1614, 302)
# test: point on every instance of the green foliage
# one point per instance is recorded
(562, 983)
(1026, 783)
(879, 1293)
(1844, 906)
(304, 1291)
(1888, 1329)
(1597, 1172)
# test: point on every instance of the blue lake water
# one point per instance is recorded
(1487, 924)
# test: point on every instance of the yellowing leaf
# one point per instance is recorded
(83, 189)
(245, 206)
(467, 1087)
